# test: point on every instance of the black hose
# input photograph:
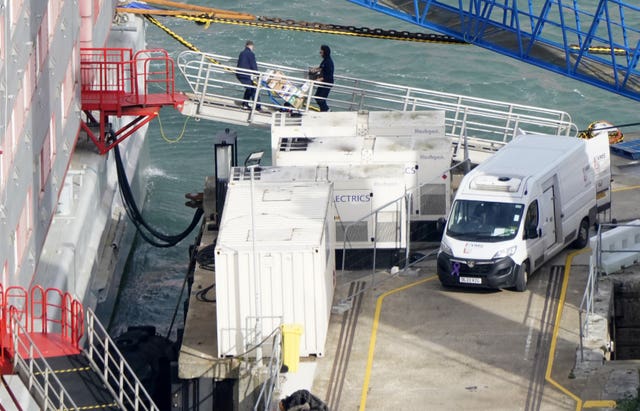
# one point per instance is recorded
(136, 218)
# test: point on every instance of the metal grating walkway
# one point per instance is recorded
(596, 42)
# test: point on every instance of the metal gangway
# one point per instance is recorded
(44, 346)
(596, 42)
(484, 125)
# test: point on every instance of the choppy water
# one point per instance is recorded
(154, 277)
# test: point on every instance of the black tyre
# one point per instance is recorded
(522, 277)
(583, 235)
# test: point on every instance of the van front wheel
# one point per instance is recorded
(583, 235)
(522, 277)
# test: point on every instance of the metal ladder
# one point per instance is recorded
(72, 378)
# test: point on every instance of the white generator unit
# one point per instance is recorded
(377, 161)
(274, 257)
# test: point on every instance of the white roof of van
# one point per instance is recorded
(531, 154)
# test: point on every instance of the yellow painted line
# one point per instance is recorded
(95, 407)
(554, 339)
(374, 332)
(625, 189)
(67, 370)
(600, 404)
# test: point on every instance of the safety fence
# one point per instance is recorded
(117, 82)
(614, 248)
(112, 75)
(44, 311)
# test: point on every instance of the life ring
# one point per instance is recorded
(596, 127)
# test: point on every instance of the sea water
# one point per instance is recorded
(181, 149)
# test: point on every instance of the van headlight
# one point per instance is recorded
(506, 252)
(444, 248)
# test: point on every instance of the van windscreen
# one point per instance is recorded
(473, 220)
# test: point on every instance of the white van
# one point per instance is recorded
(522, 206)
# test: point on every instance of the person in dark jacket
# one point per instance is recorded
(325, 75)
(247, 60)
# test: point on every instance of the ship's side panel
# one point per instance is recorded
(38, 131)
(43, 173)
(90, 215)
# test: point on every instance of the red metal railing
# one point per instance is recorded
(40, 311)
(107, 75)
(115, 82)
(114, 79)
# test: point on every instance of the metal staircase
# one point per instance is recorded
(596, 42)
(486, 125)
(42, 342)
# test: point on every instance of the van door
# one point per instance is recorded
(548, 218)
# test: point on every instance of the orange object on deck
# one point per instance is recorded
(115, 82)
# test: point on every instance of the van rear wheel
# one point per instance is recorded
(583, 235)
(522, 277)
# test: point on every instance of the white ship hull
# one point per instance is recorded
(60, 213)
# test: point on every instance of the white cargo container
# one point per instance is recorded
(292, 250)
(374, 160)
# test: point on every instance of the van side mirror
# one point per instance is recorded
(531, 232)
(440, 224)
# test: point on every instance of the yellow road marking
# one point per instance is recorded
(554, 339)
(625, 189)
(580, 404)
(374, 331)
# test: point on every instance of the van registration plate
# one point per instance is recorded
(471, 280)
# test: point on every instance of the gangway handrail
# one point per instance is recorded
(271, 384)
(118, 376)
(212, 80)
(48, 387)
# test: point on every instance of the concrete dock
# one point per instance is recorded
(408, 343)
(398, 340)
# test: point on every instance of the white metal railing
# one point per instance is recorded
(34, 370)
(212, 80)
(271, 384)
(617, 242)
(586, 310)
(406, 199)
(118, 377)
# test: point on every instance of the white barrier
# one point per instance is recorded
(618, 248)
